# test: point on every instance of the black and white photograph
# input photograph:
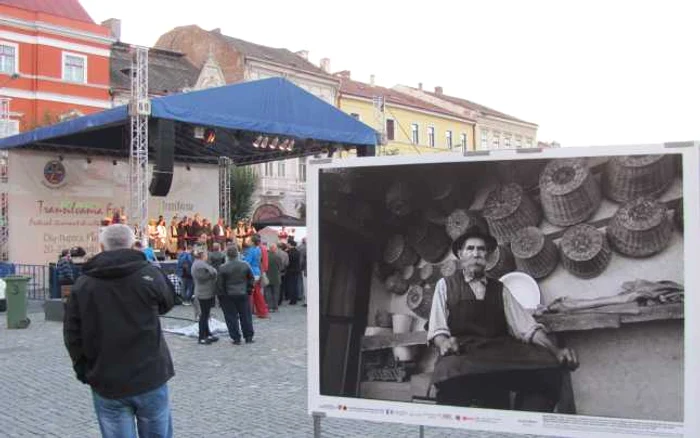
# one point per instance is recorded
(525, 284)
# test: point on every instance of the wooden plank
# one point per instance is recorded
(656, 313)
(565, 323)
(380, 342)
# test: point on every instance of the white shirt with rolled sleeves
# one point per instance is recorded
(521, 324)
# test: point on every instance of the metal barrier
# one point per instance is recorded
(38, 287)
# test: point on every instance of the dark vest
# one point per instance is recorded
(471, 317)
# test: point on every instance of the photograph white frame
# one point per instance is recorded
(514, 421)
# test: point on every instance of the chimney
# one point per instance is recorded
(326, 65)
(345, 74)
(371, 80)
(438, 91)
(303, 54)
(115, 27)
(217, 30)
(420, 85)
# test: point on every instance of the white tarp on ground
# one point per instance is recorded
(192, 330)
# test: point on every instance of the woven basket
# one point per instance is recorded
(499, 262)
(449, 194)
(395, 284)
(429, 273)
(534, 253)
(398, 253)
(461, 220)
(568, 192)
(410, 274)
(585, 252)
(507, 210)
(640, 228)
(429, 240)
(383, 319)
(630, 177)
(420, 299)
(399, 199)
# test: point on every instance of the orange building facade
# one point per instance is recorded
(54, 63)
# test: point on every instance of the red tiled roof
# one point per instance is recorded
(476, 107)
(360, 89)
(62, 8)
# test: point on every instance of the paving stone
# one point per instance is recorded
(220, 390)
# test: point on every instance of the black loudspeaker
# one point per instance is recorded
(161, 139)
(366, 151)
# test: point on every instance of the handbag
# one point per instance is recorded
(264, 281)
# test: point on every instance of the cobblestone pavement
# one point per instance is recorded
(221, 390)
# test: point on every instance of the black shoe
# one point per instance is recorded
(236, 342)
(213, 338)
(204, 342)
(249, 341)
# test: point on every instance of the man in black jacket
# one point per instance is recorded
(114, 338)
(234, 285)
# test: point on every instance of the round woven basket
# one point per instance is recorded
(410, 274)
(568, 192)
(398, 253)
(630, 177)
(507, 210)
(448, 268)
(395, 284)
(429, 240)
(446, 194)
(499, 262)
(420, 299)
(585, 252)
(461, 220)
(640, 228)
(535, 254)
(399, 199)
(429, 273)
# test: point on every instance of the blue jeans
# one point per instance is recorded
(148, 412)
(237, 308)
(188, 288)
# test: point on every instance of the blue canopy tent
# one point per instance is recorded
(238, 115)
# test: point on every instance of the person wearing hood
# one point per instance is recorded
(114, 338)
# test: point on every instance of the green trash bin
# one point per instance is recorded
(16, 293)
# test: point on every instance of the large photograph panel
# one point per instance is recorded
(530, 285)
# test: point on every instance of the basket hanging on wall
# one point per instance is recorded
(640, 228)
(534, 253)
(507, 210)
(630, 177)
(585, 252)
(568, 192)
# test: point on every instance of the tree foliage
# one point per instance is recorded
(244, 181)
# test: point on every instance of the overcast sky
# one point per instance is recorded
(587, 72)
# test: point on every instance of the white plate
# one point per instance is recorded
(524, 288)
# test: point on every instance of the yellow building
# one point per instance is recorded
(410, 125)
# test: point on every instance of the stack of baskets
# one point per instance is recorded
(507, 210)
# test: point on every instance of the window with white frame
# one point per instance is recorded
(8, 58)
(528, 142)
(431, 136)
(463, 140)
(448, 139)
(281, 172)
(74, 67)
(484, 139)
(518, 141)
(414, 133)
(496, 140)
(8, 128)
(302, 169)
(268, 169)
(506, 142)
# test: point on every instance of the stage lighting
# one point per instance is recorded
(285, 145)
(264, 142)
(290, 148)
(274, 143)
(199, 132)
(210, 136)
(258, 141)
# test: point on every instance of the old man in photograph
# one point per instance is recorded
(489, 345)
